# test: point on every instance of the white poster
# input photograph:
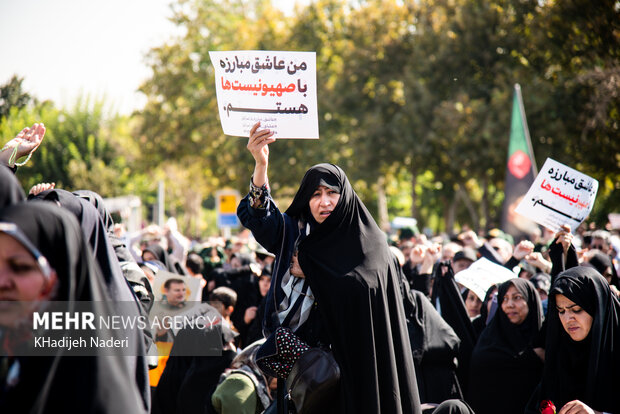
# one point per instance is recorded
(276, 88)
(614, 220)
(482, 274)
(559, 195)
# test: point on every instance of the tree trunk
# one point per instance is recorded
(414, 196)
(384, 222)
(484, 204)
(470, 207)
(450, 215)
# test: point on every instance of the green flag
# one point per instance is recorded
(520, 171)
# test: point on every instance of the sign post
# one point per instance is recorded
(226, 205)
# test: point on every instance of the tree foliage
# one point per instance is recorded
(413, 96)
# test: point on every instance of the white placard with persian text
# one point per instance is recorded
(274, 87)
(482, 274)
(559, 195)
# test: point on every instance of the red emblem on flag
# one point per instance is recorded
(519, 164)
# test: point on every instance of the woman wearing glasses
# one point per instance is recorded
(45, 261)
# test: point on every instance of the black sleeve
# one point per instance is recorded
(512, 263)
(558, 260)
(417, 281)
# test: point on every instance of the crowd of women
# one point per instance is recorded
(320, 276)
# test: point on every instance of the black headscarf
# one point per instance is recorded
(11, 192)
(601, 263)
(434, 345)
(162, 255)
(122, 253)
(355, 280)
(504, 368)
(96, 235)
(190, 377)
(448, 299)
(61, 383)
(585, 370)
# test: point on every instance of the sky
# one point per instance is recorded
(65, 49)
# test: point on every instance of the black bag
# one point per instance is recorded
(313, 384)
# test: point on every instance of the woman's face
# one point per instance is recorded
(322, 203)
(147, 256)
(473, 304)
(490, 301)
(21, 280)
(263, 285)
(514, 306)
(576, 321)
(20, 276)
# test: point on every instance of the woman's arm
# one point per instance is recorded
(577, 407)
(562, 252)
(257, 211)
(258, 145)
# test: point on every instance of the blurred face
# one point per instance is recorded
(149, 273)
(490, 301)
(461, 265)
(176, 293)
(21, 281)
(473, 304)
(607, 274)
(576, 321)
(515, 306)
(449, 250)
(20, 276)
(235, 263)
(542, 293)
(148, 256)
(263, 285)
(600, 244)
(322, 203)
(502, 247)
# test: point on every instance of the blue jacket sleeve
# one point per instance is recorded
(264, 223)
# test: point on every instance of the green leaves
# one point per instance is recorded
(415, 95)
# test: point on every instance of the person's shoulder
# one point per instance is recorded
(236, 391)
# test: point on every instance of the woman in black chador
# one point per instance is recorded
(45, 260)
(582, 356)
(335, 285)
(504, 368)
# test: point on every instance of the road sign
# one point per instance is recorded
(226, 204)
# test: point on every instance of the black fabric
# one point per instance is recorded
(245, 283)
(504, 368)
(480, 322)
(601, 263)
(135, 277)
(585, 370)
(255, 330)
(448, 299)
(355, 280)
(96, 235)
(561, 261)
(122, 252)
(187, 382)
(11, 192)
(60, 383)
(417, 281)
(435, 348)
